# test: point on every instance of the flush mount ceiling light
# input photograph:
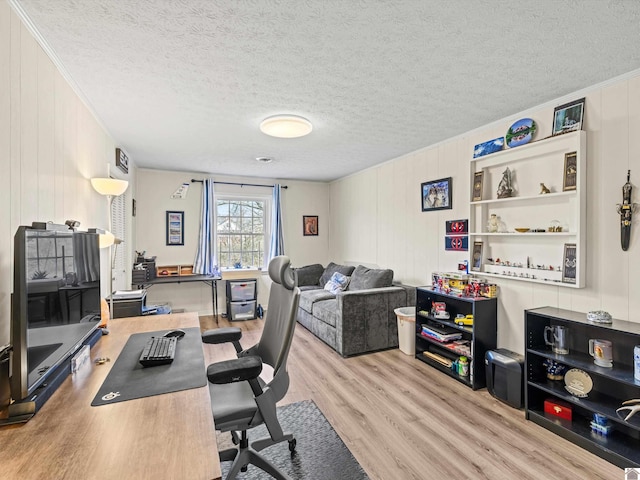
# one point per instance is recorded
(286, 126)
(264, 159)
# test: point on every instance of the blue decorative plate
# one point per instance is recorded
(520, 132)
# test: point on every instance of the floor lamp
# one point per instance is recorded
(110, 188)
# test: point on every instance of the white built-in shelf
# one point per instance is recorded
(533, 164)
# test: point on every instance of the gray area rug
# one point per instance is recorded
(320, 453)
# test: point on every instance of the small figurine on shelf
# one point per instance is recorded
(493, 223)
(505, 187)
(544, 189)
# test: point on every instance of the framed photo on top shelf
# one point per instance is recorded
(569, 263)
(568, 117)
(436, 194)
(175, 228)
(476, 195)
(569, 179)
(476, 257)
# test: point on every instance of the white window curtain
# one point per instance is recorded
(276, 245)
(206, 262)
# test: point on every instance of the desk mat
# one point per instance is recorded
(128, 379)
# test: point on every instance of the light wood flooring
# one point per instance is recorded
(402, 419)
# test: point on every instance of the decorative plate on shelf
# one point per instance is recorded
(520, 132)
(578, 382)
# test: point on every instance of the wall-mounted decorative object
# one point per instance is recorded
(476, 257)
(626, 209)
(310, 225)
(122, 161)
(457, 227)
(570, 171)
(476, 194)
(488, 147)
(568, 117)
(175, 228)
(569, 263)
(456, 243)
(436, 194)
(520, 132)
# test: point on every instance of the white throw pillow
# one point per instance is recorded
(337, 283)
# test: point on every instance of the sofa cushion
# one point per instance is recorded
(309, 297)
(309, 274)
(363, 278)
(326, 311)
(337, 283)
(331, 269)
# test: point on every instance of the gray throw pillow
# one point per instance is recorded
(363, 278)
(309, 274)
(333, 268)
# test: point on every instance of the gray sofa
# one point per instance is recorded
(359, 319)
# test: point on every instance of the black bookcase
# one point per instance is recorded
(481, 335)
(611, 386)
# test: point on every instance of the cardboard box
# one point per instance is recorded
(558, 408)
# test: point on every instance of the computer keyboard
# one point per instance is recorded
(158, 351)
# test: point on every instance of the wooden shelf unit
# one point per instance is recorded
(611, 386)
(481, 335)
(542, 161)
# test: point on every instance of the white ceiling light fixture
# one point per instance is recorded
(286, 126)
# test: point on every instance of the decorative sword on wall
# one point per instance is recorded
(626, 210)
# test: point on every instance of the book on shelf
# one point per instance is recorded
(441, 335)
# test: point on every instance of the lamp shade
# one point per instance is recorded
(106, 239)
(109, 186)
(286, 126)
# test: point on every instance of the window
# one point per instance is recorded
(242, 231)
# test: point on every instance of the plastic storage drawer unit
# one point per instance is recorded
(504, 372)
(241, 290)
(242, 310)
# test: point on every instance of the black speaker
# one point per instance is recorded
(504, 372)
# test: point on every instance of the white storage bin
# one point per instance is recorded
(406, 329)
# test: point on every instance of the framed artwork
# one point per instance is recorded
(476, 257)
(310, 225)
(175, 228)
(122, 161)
(457, 243)
(490, 146)
(476, 194)
(569, 179)
(457, 227)
(436, 194)
(568, 117)
(569, 263)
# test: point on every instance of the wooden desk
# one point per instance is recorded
(70, 439)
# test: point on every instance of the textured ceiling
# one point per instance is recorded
(183, 84)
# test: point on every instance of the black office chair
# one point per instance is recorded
(240, 399)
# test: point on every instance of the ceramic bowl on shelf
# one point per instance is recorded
(522, 229)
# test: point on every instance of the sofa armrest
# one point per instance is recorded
(366, 321)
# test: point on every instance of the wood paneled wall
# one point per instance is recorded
(379, 219)
(50, 146)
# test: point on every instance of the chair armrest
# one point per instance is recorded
(236, 370)
(222, 335)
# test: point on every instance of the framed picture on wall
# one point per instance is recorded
(175, 228)
(436, 194)
(310, 225)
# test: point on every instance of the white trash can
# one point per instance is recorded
(406, 329)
